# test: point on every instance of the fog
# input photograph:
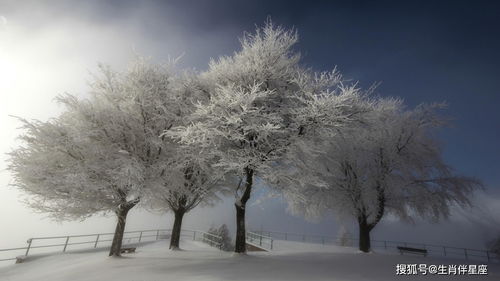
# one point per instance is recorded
(48, 49)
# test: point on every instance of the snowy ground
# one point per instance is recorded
(290, 261)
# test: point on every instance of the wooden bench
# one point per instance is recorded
(127, 250)
(412, 250)
(21, 259)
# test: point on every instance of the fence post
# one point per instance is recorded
(157, 234)
(66, 244)
(194, 235)
(272, 244)
(444, 250)
(96, 241)
(140, 236)
(488, 256)
(385, 244)
(260, 240)
(465, 252)
(29, 246)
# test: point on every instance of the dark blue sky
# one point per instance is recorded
(421, 51)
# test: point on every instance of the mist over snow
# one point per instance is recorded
(293, 261)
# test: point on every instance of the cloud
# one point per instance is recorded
(484, 214)
(50, 49)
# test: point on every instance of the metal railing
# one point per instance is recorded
(11, 250)
(211, 239)
(432, 250)
(84, 241)
(260, 240)
(90, 241)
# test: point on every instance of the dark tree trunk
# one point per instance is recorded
(240, 244)
(121, 214)
(116, 246)
(364, 235)
(176, 230)
(365, 227)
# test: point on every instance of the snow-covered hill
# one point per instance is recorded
(289, 261)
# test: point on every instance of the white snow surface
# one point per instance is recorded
(289, 261)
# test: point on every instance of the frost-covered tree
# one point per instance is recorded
(51, 167)
(223, 232)
(190, 182)
(97, 155)
(70, 171)
(183, 176)
(261, 100)
(227, 243)
(344, 237)
(388, 164)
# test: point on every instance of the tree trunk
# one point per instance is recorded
(121, 214)
(365, 227)
(116, 246)
(240, 244)
(364, 235)
(176, 230)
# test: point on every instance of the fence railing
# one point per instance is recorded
(260, 240)
(211, 239)
(85, 241)
(45, 245)
(432, 250)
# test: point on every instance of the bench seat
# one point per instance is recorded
(412, 250)
(127, 250)
(21, 259)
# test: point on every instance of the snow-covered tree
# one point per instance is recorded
(181, 177)
(51, 167)
(344, 237)
(227, 243)
(70, 171)
(261, 100)
(96, 156)
(388, 164)
(198, 187)
(190, 182)
(223, 232)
